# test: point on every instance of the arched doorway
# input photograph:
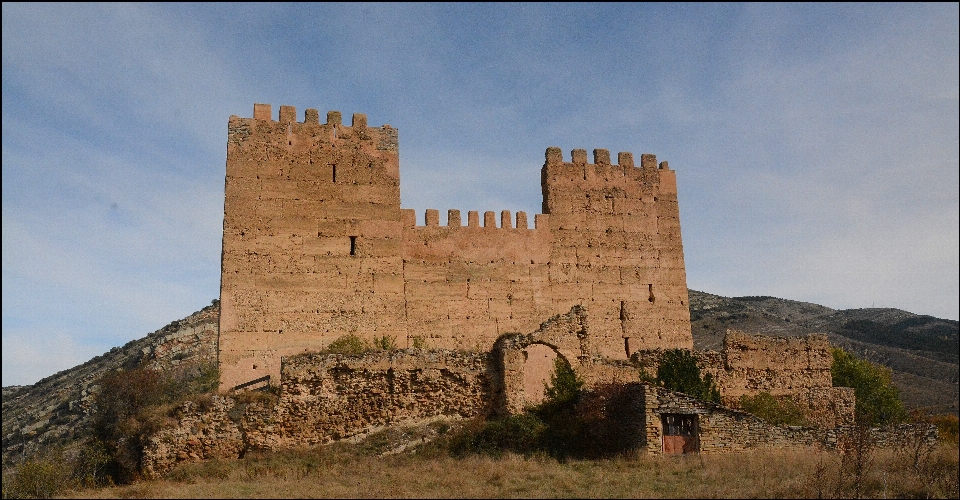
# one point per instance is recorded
(537, 369)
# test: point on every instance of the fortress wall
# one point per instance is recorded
(326, 397)
(466, 285)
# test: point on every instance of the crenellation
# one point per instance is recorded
(578, 156)
(335, 118)
(473, 218)
(554, 155)
(601, 157)
(262, 112)
(311, 116)
(648, 161)
(521, 220)
(432, 217)
(359, 121)
(489, 220)
(453, 218)
(288, 114)
(625, 159)
(505, 222)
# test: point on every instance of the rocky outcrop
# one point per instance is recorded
(57, 408)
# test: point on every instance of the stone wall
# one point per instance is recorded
(723, 429)
(798, 367)
(327, 397)
(316, 246)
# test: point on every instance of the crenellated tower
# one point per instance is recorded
(616, 234)
(311, 237)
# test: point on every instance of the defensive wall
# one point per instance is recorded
(316, 246)
(326, 397)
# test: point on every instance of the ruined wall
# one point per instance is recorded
(798, 367)
(723, 429)
(316, 246)
(326, 397)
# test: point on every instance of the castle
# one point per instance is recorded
(316, 246)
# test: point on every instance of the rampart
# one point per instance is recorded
(316, 246)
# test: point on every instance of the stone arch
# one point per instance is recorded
(564, 335)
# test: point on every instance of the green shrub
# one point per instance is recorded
(419, 342)
(385, 343)
(564, 386)
(773, 410)
(348, 344)
(679, 371)
(878, 400)
(520, 433)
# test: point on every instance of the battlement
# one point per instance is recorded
(384, 138)
(602, 157)
(408, 218)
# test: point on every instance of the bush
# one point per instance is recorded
(132, 405)
(348, 344)
(521, 433)
(385, 343)
(679, 371)
(878, 400)
(947, 428)
(55, 471)
(773, 410)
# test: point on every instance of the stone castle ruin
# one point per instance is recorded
(316, 246)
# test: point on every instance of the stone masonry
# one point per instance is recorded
(316, 246)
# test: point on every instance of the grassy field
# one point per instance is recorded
(357, 471)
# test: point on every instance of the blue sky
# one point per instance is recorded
(816, 146)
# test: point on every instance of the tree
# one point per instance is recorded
(679, 371)
(878, 400)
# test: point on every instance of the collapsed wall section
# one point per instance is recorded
(794, 367)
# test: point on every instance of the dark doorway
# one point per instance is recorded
(680, 433)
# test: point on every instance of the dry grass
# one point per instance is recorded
(352, 471)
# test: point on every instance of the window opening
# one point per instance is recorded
(353, 245)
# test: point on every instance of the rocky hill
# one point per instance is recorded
(56, 409)
(921, 350)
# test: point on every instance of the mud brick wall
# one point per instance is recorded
(315, 246)
(778, 365)
(798, 367)
(327, 397)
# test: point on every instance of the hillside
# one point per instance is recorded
(55, 409)
(921, 350)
